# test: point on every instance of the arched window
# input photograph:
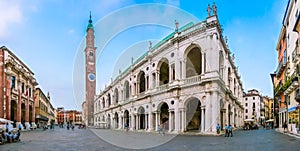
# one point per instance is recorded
(163, 71)
(127, 90)
(142, 82)
(193, 62)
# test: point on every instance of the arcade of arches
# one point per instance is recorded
(192, 85)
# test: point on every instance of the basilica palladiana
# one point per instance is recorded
(187, 82)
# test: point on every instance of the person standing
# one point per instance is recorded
(218, 128)
(163, 128)
(226, 130)
(158, 129)
(230, 131)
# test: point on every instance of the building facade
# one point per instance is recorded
(44, 111)
(68, 116)
(17, 84)
(254, 106)
(286, 82)
(188, 81)
(269, 107)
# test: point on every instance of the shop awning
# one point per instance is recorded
(292, 108)
(270, 120)
(249, 120)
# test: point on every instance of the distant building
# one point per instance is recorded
(254, 106)
(269, 107)
(68, 116)
(17, 84)
(45, 112)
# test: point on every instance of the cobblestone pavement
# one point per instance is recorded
(89, 139)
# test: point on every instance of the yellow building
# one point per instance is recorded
(269, 107)
(45, 113)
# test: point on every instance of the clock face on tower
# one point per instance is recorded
(91, 76)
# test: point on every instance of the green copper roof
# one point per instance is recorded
(90, 25)
(155, 46)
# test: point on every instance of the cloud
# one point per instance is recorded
(10, 13)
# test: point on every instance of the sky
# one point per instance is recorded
(48, 36)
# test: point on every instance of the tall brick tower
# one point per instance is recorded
(90, 72)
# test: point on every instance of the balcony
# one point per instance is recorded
(280, 68)
(295, 55)
(291, 84)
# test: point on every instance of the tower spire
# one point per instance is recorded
(90, 25)
(90, 21)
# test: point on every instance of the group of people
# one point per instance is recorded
(9, 136)
(228, 130)
(161, 128)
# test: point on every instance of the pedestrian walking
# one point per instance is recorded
(218, 128)
(230, 131)
(226, 130)
(284, 126)
(164, 128)
(158, 129)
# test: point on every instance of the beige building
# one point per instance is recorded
(254, 106)
(45, 112)
(186, 82)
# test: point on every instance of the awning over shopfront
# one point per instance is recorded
(292, 108)
(40, 117)
(249, 120)
(270, 120)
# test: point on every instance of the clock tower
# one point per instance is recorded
(90, 72)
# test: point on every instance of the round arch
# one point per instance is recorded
(193, 57)
(116, 96)
(13, 111)
(126, 89)
(163, 67)
(193, 114)
(141, 80)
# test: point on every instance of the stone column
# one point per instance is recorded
(146, 121)
(177, 120)
(27, 112)
(137, 121)
(33, 113)
(19, 103)
(150, 122)
(170, 120)
(146, 83)
(8, 98)
(156, 121)
(120, 123)
(133, 121)
(184, 69)
(123, 123)
(170, 73)
(202, 118)
(157, 78)
(183, 123)
(202, 63)
(215, 110)
(208, 120)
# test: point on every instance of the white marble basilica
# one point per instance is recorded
(186, 82)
